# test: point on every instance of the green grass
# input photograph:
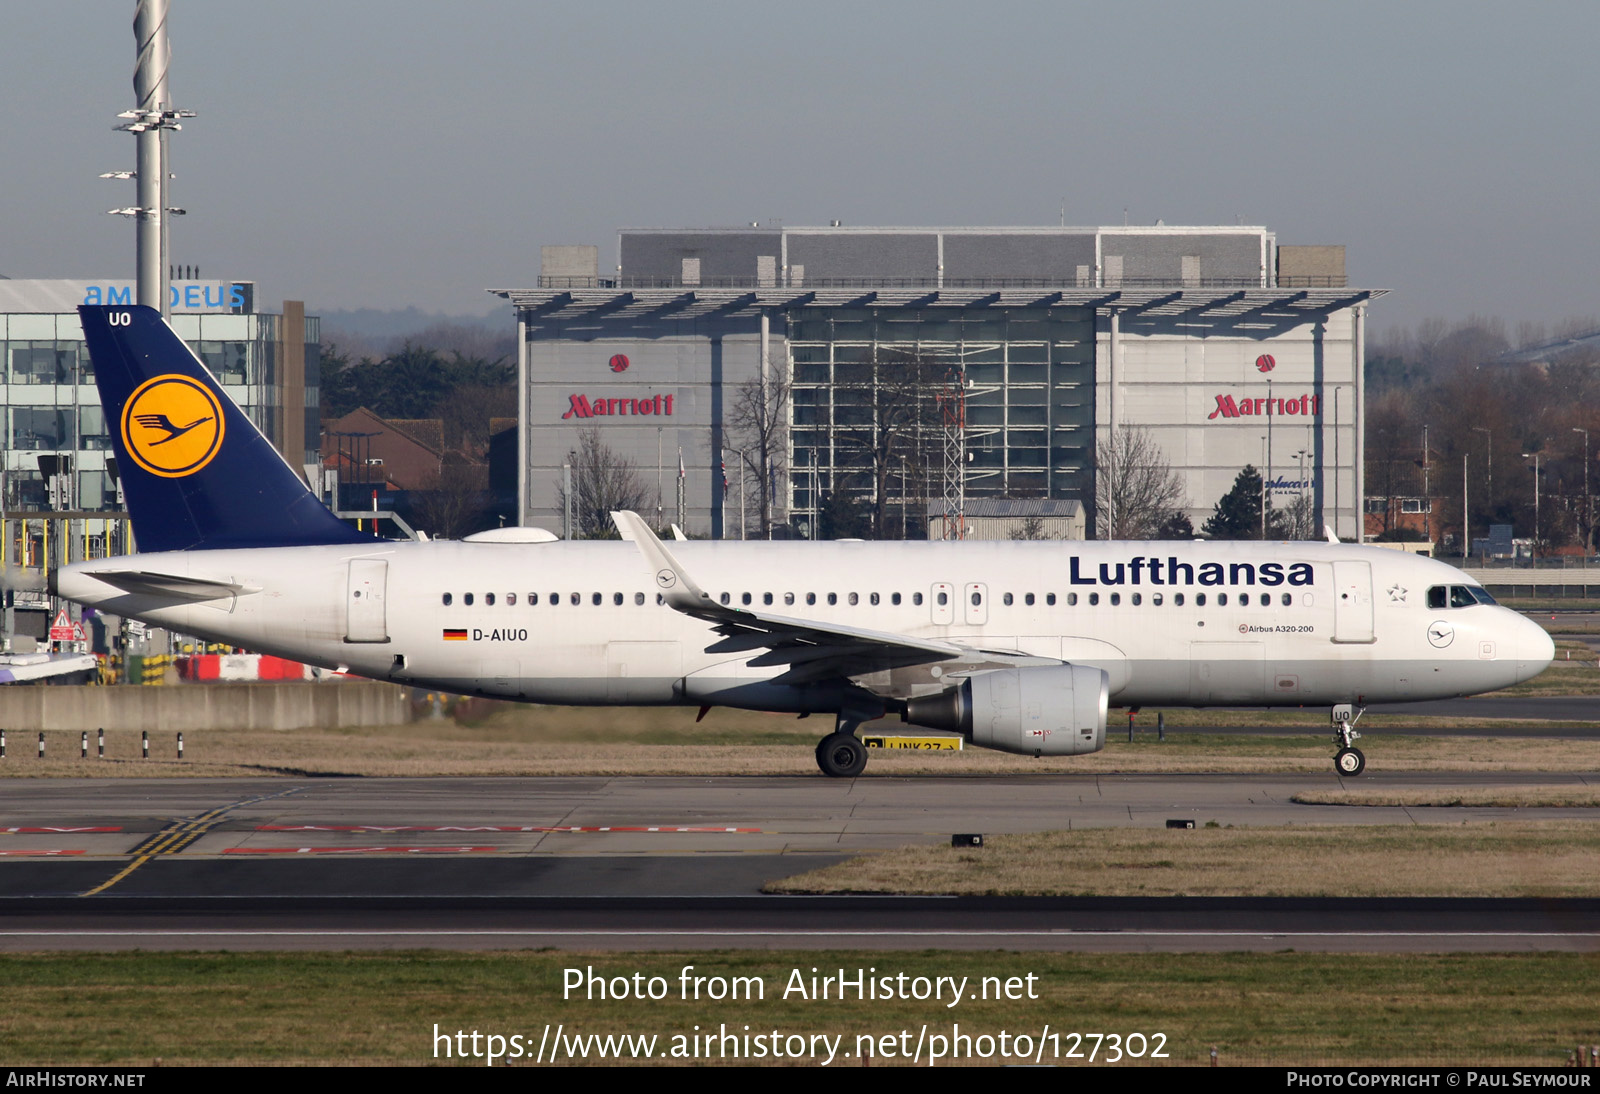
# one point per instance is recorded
(132, 1009)
(1433, 858)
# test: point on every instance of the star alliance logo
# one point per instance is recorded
(1397, 594)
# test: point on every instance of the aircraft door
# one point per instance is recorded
(1352, 602)
(975, 603)
(942, 602)
(366, 617)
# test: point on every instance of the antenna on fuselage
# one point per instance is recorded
(1328, 528)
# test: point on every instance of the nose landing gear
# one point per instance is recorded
(1348, 760)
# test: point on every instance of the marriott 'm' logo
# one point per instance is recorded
(1249, 406)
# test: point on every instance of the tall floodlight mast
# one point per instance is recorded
(152, 117)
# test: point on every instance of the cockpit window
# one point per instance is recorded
(1458, 596)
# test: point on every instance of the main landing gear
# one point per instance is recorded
(1348, 760)
(840, 754)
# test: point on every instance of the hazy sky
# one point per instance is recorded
(365, 154)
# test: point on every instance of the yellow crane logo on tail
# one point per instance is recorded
(172, 426)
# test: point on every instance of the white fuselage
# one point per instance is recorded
(1284, 624)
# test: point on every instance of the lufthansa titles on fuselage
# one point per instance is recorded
(1141, 570)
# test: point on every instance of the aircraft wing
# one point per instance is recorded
(814, 650)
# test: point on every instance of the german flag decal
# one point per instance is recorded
(455, 636)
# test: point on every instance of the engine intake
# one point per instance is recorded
(1051, 710)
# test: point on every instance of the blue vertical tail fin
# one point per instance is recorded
(196, 472)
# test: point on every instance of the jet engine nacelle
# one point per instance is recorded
(1052, 710)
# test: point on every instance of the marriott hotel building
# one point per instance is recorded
(1027, 348)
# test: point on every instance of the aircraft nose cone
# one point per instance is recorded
(1534, 647)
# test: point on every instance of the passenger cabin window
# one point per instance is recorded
(616, 598)
(916, 599)
(511, 600)
(466, 599)
(788, 598)
(744, 598)
(1028, 599)
(638, 598)
(894, 598)
(488, 598)
(1094, 599)
(447, 599)
(1050, 599)
(854, 600)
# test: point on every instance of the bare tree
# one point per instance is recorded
(459, 505)
(1030, 529)
(1299, 517)
(602, 480)
(1136, 490)
(887, 419)
(758, 427)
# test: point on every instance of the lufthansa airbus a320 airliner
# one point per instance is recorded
(1016, 646)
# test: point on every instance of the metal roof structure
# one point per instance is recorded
(1007, 508)
(1225, 303)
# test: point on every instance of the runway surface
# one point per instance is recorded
(1538, 712)
(628, 863)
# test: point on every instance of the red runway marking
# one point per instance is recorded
(60, 830)
(43, 854)
(485, 828)
(352, 850)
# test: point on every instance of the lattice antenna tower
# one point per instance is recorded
(952, 398)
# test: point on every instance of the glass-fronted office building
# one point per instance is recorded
(52, 416)
(926, 363)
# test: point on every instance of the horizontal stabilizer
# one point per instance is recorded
(171, 586)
